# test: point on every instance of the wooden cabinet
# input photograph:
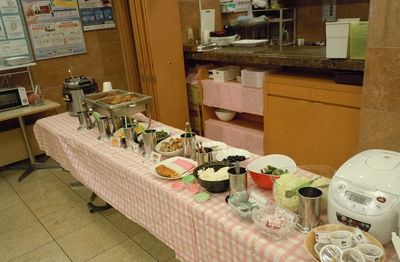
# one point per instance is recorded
(311, 118)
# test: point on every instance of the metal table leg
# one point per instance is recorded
(33, 164)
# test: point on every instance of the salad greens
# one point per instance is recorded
(271, 170)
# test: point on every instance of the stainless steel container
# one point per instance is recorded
(104, 128)
(85, 123)
(309, 208)
(106, 103)
(204, 157)
(149, 141)
(238, 183)
(189, 145)
(74, 89)
(129, 131)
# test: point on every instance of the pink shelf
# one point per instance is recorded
(237, 133)
(233, 96)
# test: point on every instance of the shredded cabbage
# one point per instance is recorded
(288, 182)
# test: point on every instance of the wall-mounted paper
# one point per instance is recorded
(55, 28)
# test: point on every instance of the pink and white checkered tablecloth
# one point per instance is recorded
(196, 231)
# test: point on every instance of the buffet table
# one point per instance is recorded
(195, 231)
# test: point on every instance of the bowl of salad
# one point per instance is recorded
(265, 170)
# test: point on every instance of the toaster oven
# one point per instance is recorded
(13, 97)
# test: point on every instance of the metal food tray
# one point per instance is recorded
(98, 102)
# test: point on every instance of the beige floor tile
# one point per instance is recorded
(67, 220)
(12, 176)
(154, 246)
(17, 242)
(65, 176)
(83, 192)
(15, 217)
(52, 201)
(39, 186)
(91, 240)
(48, 253)
(127, 226)
(9, 198)
(3, 183)
(128, 251)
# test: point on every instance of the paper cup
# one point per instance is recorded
(107, 86)
(341, 238)
(371, 252)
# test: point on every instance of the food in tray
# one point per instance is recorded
(164, 171)
(235, 158)
(118, 99)
(271, 170)
(171, 145)
(209, 174)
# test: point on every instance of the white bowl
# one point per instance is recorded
(224, 115)
(168, 154)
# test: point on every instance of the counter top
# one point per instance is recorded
(290, 56)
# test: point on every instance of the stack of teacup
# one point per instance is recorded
(346, 246)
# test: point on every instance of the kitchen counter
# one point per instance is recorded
(290, 56)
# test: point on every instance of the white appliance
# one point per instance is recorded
(224, 74)
(365, 192)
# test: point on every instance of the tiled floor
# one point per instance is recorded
(43, 218)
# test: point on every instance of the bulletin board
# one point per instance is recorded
(14, 39)
(55, 27)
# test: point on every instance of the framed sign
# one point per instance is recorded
(96, 14)
(14, 39)
(55, 27)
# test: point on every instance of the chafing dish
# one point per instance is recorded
(117, 104)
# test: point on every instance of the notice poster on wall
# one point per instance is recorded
(55, 28)
(13, 35)
(96, 14)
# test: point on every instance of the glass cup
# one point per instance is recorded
(149, 141)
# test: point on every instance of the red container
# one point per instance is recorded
(264, 180)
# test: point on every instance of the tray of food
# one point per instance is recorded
(118, 103)
(173, 168)
(96, 96)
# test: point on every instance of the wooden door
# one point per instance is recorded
(158, 43)
(288, 126)
(334, 135)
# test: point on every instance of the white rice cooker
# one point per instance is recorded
(365, 193)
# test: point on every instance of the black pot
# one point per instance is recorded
(213, 186)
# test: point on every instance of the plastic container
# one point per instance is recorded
(252, 77)
(358, 40)
(302, 175)
(275, 222)
(243, 210)
(337, 39)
